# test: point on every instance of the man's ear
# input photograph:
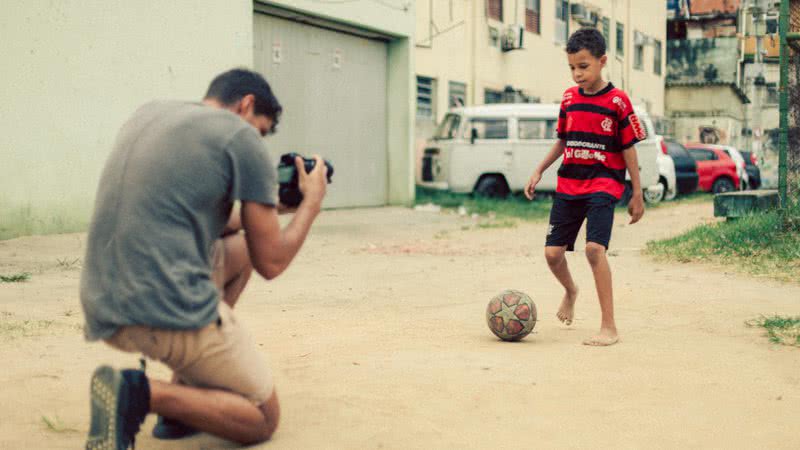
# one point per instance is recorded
(247, 105)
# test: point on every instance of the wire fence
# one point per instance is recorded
(793, 151)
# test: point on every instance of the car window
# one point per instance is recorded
(536, 129)
(702, 155)
(487, 129)
(677, 150)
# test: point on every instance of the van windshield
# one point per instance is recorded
(448, 129)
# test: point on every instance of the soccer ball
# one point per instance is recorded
(511, 315)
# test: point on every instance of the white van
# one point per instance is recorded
(492, 150)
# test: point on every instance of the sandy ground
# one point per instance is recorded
(377, 339)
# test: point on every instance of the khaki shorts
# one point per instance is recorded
(221, 355)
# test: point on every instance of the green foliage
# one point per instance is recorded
(516, 206)
(780, 330)
(759, 244)
(15, 278)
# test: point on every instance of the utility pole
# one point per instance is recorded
(758, 12)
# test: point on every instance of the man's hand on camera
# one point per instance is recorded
(313, 184)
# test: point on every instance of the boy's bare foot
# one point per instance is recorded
(606, 337)
(566, 312)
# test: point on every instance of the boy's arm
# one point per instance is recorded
(555, 152)
(636, 205)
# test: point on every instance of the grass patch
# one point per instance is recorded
(497, 224)
(57, 426)
(780, 330)
(15, 278)
(516, 206)
(758, 244)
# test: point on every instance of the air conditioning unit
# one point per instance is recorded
(512, 38)
(582, 15)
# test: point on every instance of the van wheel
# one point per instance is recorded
(492, 186)
(722, 185)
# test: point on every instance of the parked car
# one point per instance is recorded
(741, 169)
(666, 176)
(492, 150)
(753, 171)
(686, 178)
(717, 171)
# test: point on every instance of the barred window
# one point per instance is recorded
(657, 57)
(620, 39)
(426, 97)
(457, 95)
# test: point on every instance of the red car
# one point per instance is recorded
(716, 169)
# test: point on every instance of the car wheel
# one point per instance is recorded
(492, 186)
(654, 197)
(722, 185)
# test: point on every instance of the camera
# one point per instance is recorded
(288, 187)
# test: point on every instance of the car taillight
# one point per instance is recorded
(753, 159)
(663, 147)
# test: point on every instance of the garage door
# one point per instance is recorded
(332, 86)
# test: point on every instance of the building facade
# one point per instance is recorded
(712, 54)
(488, 51)
(74, 71)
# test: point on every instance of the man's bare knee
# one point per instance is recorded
(554, 255)
(595, 253)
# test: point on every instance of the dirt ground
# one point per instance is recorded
(377, 339)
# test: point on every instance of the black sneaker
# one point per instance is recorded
(170, 429)
(120, 402)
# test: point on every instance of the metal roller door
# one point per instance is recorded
(332, 86)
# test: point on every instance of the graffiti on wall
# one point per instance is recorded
(709, 134)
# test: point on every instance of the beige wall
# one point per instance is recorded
(74, 70)
(540, 69)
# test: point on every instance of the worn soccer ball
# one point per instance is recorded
(511, 315)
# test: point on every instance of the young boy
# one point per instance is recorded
(597, 130)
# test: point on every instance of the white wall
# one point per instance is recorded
(73, 70)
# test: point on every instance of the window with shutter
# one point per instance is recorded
(494, 9)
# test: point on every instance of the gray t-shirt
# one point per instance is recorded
(164, 197)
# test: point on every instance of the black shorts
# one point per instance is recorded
(566, 218)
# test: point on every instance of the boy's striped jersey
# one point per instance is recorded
(596, 129)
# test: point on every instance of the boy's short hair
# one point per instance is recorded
(589, 39)
(231, 86)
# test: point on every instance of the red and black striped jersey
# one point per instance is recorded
(596, 129)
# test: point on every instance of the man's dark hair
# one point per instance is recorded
(231, 86)
(587, 38)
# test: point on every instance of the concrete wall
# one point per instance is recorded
(74, 70)
(721, 110)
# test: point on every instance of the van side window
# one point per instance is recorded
(536, 129)
(531, 128)
(487, 129)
